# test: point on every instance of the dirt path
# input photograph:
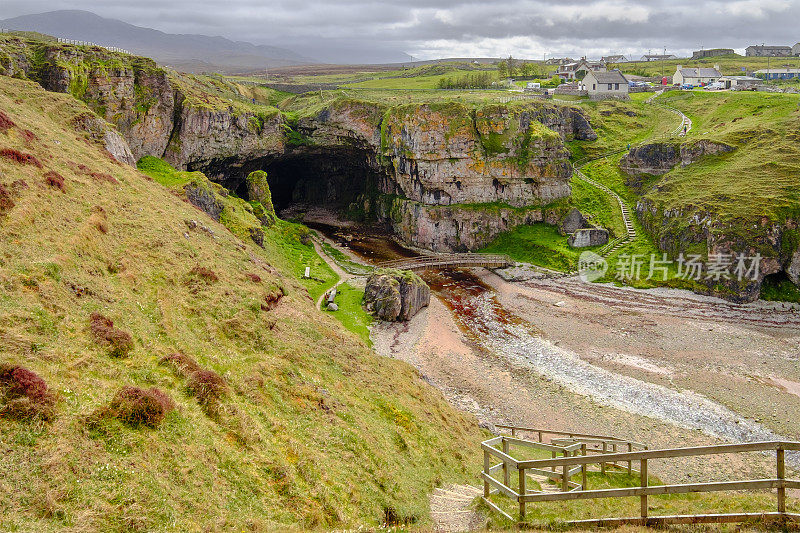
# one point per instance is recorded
(343, 276)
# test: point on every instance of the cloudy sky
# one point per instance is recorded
(456, 28)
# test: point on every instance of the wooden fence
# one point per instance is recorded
(576, 458)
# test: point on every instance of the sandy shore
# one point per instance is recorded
(743, 358)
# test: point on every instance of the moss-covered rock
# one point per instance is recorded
(396, 294)
(260, 197)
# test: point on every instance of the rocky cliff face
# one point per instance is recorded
(396, 294)
(159, 112)
(453, 177)
(691, 231)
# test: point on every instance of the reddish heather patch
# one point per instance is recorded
(19, 185)
(184, 364)
(255, 278)
(204, 273)
(55, 180)
(29, 136)
(103, 176)
(207, 386)
(104, 331)
(20, 157)
(6, 202)
(272, 299)
(24, 394)
(140, 407)
(5, 123)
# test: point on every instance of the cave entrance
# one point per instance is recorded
(322, 177)
(778, 287)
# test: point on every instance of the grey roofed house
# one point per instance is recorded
(768, 51)
(612, 76)
(796, 50)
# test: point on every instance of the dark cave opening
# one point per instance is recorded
(329, 177)
(778, 287)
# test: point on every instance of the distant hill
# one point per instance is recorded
(181, 51)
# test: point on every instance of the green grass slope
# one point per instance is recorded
(314, 431)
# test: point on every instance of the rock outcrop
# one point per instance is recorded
(396, 295)
(656, 159)
(586, 237)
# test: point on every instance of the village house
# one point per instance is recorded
(619, 58)
(606, 84)
(658, 57)
(768, 51)
(696, 76)
(578, 70)
(796, 50)
(778, 73)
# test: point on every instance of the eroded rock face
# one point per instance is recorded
(656, 159)
(586, 237)
(457, 228)
(396, 295)
(693, 231)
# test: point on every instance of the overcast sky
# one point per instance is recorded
(431, 29)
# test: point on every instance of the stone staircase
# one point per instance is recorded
(451, 509)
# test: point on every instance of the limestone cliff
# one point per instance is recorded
(657, 159)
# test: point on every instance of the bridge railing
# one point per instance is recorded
(451, 260)
(572, 463)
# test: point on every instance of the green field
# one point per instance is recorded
(537, 244)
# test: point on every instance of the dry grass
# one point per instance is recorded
(308, 433)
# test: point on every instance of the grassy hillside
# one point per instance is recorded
(760, 178)
(302, 426)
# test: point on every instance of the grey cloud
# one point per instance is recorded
(420, 27)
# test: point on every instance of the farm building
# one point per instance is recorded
(768, 51)
(606, 84)
(740, 82)
(713, 52)
(778, 73)
(696, 76)
(619, 58)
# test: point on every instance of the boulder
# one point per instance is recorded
(396, 295)
(333, 307)
(585, 237)
(572, 222)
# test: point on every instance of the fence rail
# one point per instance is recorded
(449, 261)
(576, 457)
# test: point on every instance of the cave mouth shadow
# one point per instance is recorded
(328, 177)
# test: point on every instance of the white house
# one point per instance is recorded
(695, 75)
(740, 82)
(606, 84)
(796, 50)
(577, 71)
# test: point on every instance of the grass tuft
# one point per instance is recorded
(137, 407)
(55, 180)
(104, 331)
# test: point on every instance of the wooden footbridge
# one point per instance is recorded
(464, 260)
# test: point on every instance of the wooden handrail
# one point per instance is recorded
(665, 453)
(571, 464)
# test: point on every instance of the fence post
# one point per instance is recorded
(486, 466)
(630, 449)
(781, 475)
(513, 432)
(540, 436)
(565, 475)
(553, 468)
(583, 468)
(643, 470)
(505, 465)
(521, 494)
(602, 463)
